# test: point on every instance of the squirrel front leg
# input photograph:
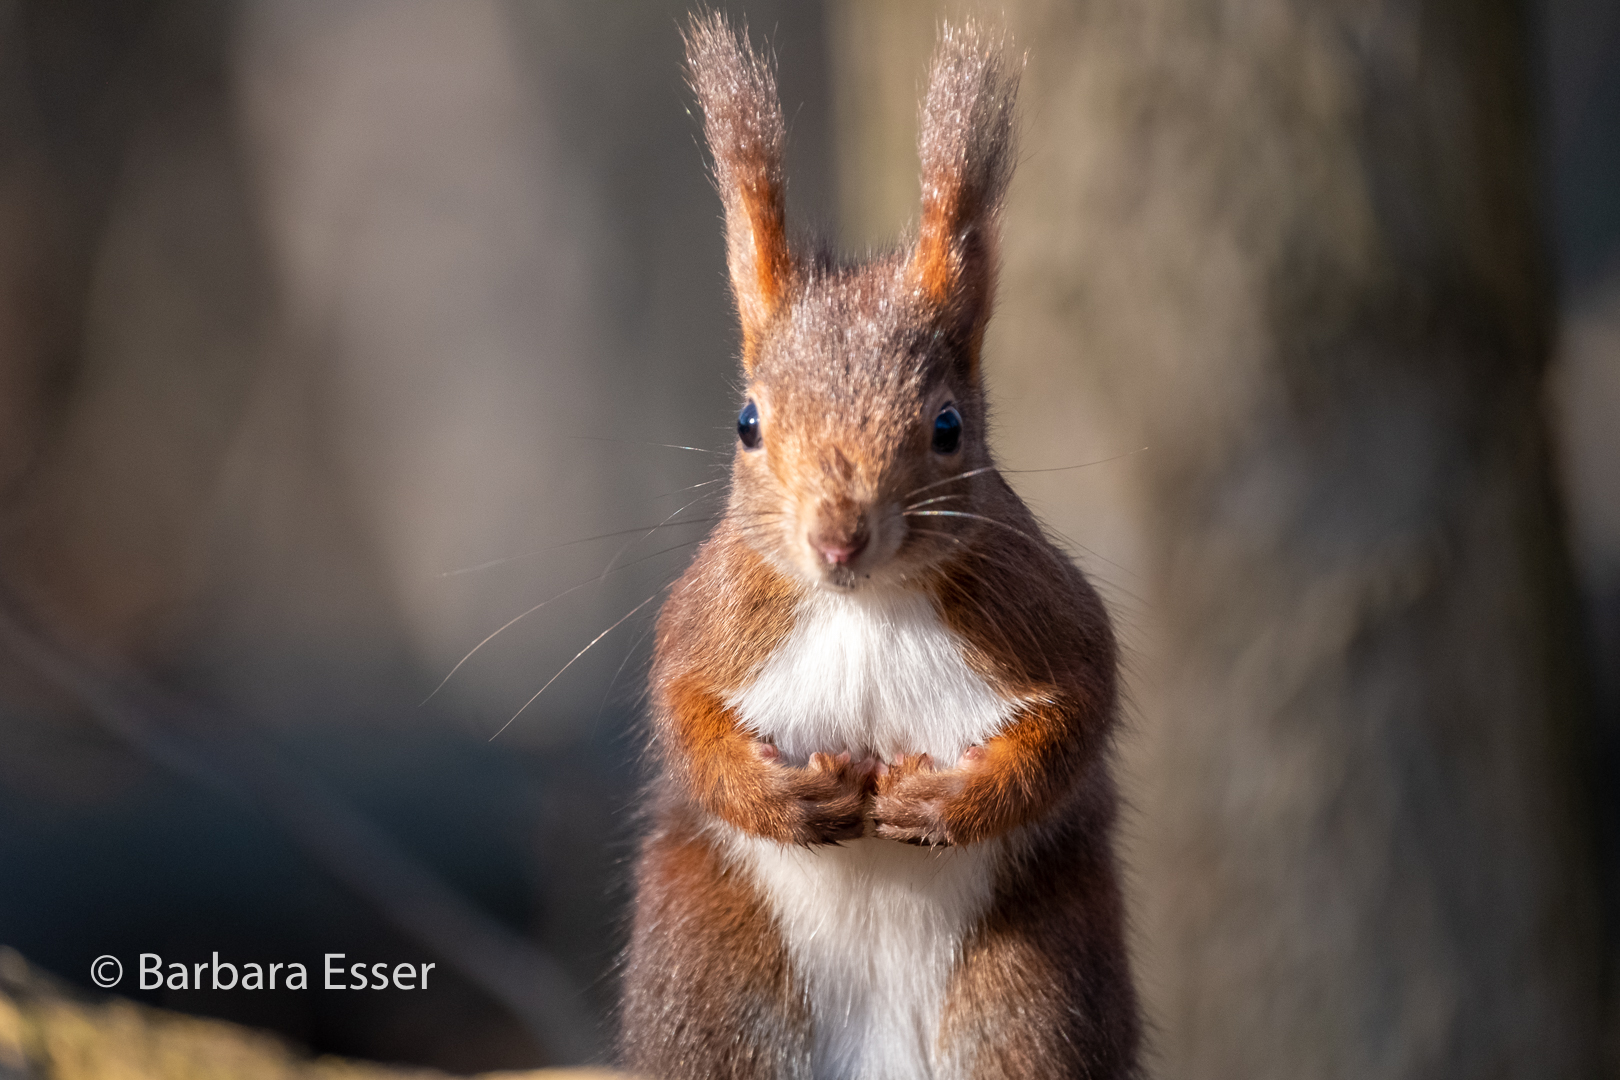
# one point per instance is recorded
(741, 780)
(1015, 777)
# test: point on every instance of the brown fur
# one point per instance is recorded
(742, 118)
(712, 996)
(849, 367)
(1044, 988)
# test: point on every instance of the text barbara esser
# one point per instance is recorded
(223, 975)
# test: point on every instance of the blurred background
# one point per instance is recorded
(336, 336)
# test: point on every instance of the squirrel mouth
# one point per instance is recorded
(843, 578)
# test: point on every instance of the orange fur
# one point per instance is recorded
(723, 768)
(772, 266)
(937, 263)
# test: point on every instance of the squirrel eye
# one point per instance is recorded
(748, 426)
(947, 431)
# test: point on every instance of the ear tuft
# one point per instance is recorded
(742, 121)
(966, 147)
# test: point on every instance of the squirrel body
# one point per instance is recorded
(881, 699)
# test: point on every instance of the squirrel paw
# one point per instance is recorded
(824, 802)
(913, 798)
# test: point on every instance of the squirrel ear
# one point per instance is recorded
(966, 147)
(742, 120)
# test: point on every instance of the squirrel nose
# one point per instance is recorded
(839, 550)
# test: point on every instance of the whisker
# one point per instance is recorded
(582, 540)
(948, 479)
(935, 499)
(649, 532)
(994, 468)
(937, 532)
(918, 531)
(646, 528)
(975, 517)
(691, 487)
(637, 442)
(634, 645)
(458, 571)
(524, 615)
(1084, 464)
(579, 654)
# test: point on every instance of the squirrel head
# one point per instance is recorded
(861, 443)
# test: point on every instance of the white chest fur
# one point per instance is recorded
(874, 927)
(871, 673)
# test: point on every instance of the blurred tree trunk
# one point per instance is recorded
(132, 293)
(1292, 247)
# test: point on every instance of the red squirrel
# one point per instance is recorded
(881, 700)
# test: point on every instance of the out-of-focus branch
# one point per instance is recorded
(207, 748)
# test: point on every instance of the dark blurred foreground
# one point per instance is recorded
(46, 1030)
(334, 336)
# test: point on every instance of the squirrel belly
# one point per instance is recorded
(873, 930)
(873, 927)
